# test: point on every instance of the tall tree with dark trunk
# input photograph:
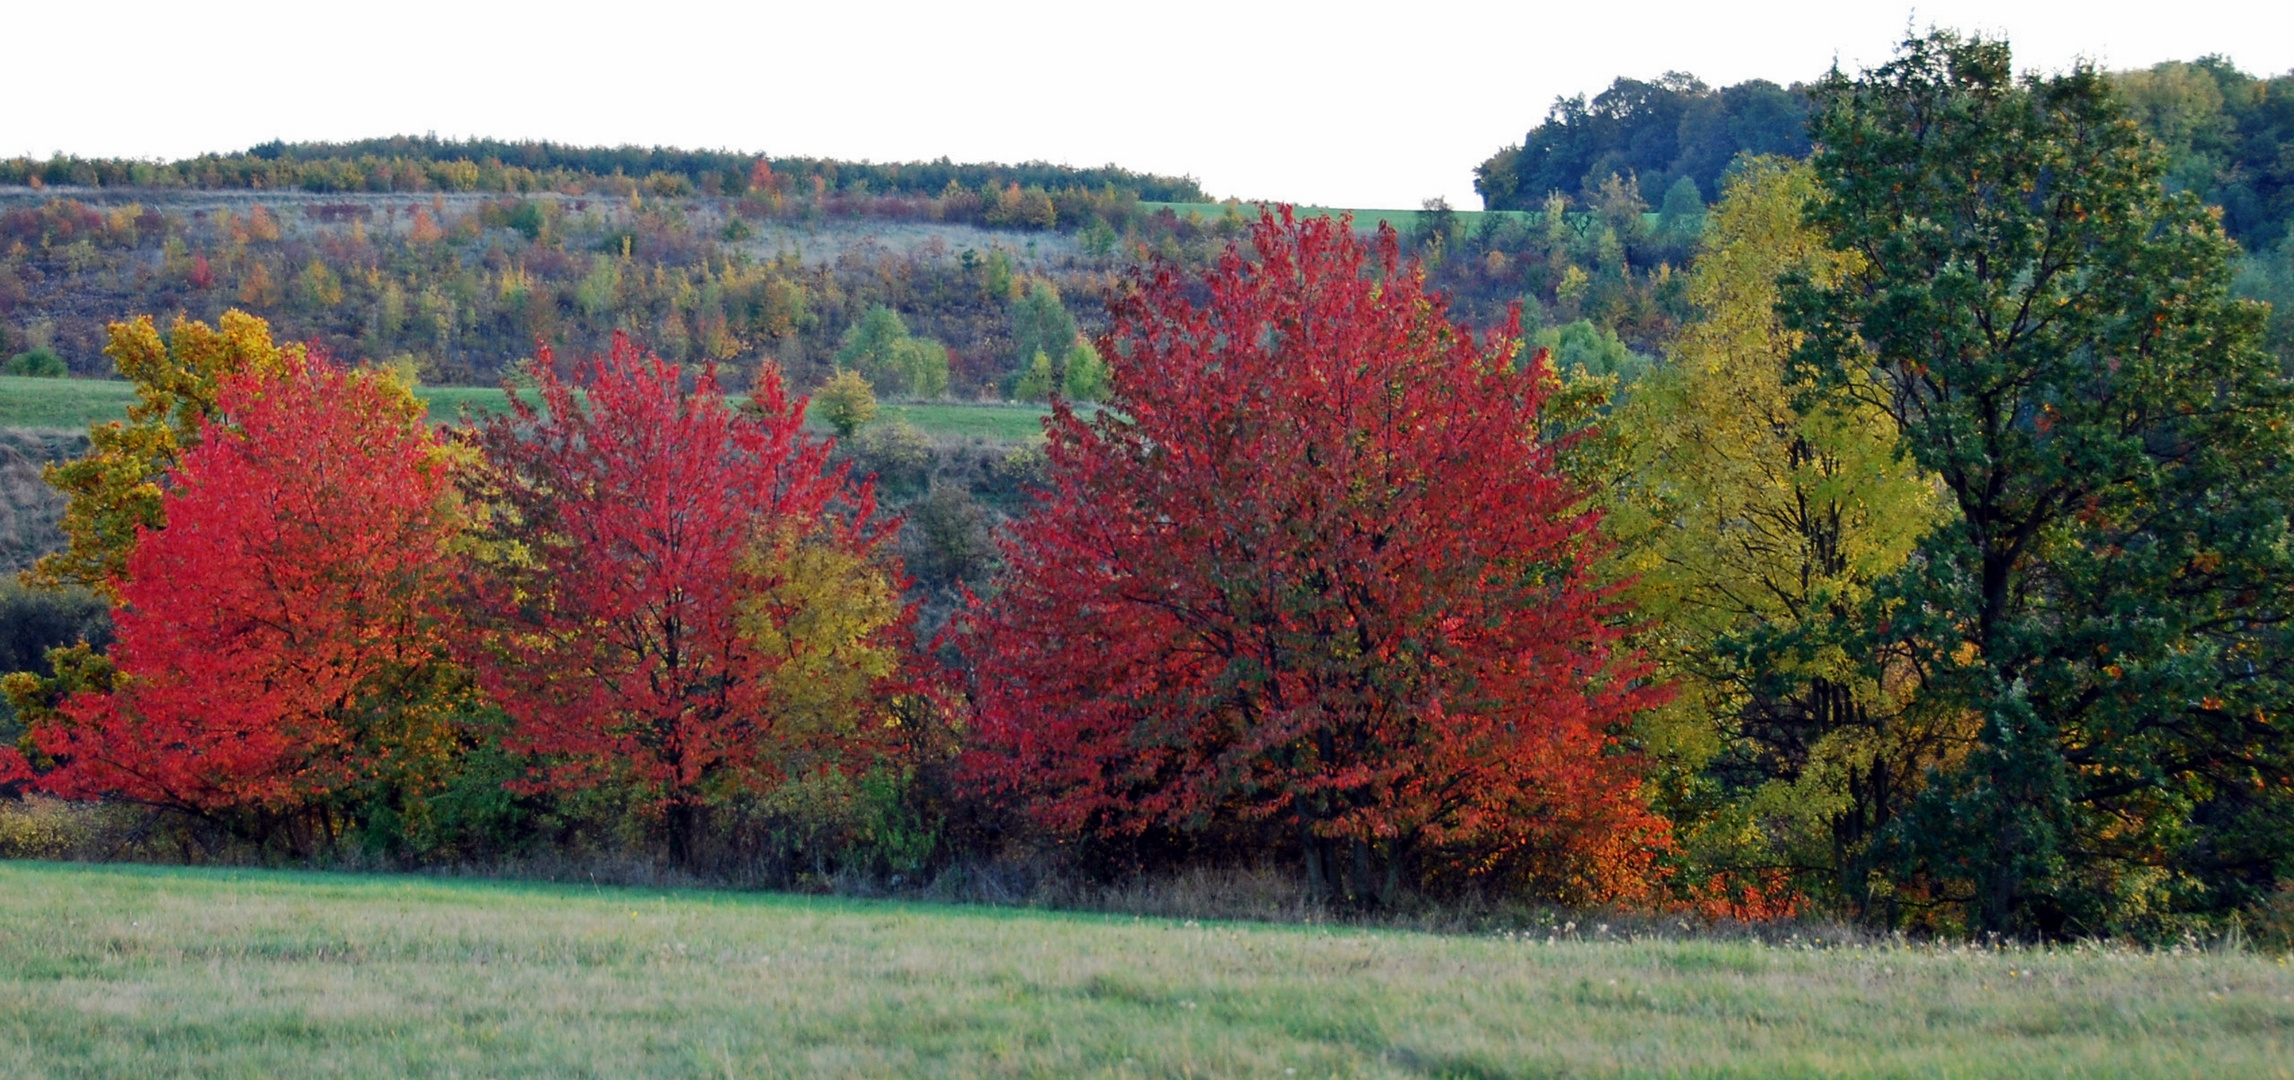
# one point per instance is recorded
(1313, 575)
(2052, 335)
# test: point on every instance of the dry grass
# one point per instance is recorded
(145, 972)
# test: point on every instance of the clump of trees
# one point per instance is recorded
(1956, 515)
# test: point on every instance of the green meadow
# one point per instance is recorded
(77, 403)
(1401, 220)
(136, 971)
(1404, 221)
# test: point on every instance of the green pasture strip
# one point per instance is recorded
(997, 423)
(27, 402)
(78, 403)
(448, 402)
(1365, 219)
(124, 971)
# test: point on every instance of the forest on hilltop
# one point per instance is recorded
(414, 164)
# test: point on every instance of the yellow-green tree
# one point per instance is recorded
(846, 401)
(1757, 514)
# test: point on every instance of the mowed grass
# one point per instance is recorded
(122, 971)
(77, 403)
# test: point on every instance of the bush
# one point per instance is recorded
(846, 402)
(897, 454)
(40, 363)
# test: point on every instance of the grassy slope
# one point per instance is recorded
(144, 972)
(76, 403)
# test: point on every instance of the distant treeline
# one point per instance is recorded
(417, 164)
(2229, 137)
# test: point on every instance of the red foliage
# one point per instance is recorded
(1747, 897)
(1315, 568)
(259, 633)
(614, 637)
(202, 275)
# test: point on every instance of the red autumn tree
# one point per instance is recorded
(680, 600)
(1313, 571)
(281, 642)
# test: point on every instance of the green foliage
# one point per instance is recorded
(33, 623)
(2052, 336)
(1057, 358)
(1583, 349)
(1036, 380)
(39, 363)
(2268, 276)
(1673, 128)
(1086, 374)
(420, 164)
(922, 365)
(2226, 135)
(1437, 225)
(880, 347)
(867, 345)
(1042, 326)
(1683, 211)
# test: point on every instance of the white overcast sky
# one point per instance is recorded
(1352, 104)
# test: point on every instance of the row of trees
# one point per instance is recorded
(423, 164)
(630, 591)
(1935, 576)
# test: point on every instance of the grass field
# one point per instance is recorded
(77, 403)
(122, 971)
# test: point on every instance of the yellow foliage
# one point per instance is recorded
(1762, 507)
(823, 613)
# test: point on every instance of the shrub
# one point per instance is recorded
(39, 363)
